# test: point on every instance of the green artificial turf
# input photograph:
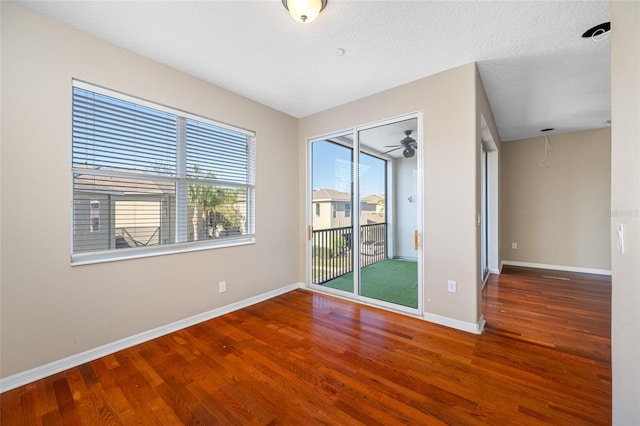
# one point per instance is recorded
(391, 280)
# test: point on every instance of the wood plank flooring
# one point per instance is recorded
(304, 359)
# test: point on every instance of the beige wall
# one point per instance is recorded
(451, 138)
(625, 210)
(558, 214)
(50, 310)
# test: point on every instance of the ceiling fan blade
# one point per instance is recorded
(391, 146)
(394, 149)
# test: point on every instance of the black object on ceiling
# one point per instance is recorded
(408, 143)
(597, 30)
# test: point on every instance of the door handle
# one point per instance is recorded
(416, 240)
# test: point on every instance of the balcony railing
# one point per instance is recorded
(332, 248)
(125, 239)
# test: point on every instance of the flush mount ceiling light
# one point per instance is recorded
(304, 11)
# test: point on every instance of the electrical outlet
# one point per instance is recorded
(222, 286)
(451, 286)
(514, 246)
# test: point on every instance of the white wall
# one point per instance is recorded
(494, 211)
(406, 212)
(625, 210)
(50, 310)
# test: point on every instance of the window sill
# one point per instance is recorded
(136, 253)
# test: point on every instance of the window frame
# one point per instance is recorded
(82, 258)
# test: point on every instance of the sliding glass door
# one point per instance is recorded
(332, 213)
(364, 227)
(389, 214)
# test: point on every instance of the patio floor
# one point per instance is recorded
(390, 280)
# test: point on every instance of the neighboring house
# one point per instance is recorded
(332, 209)
(372, 210)
(120, 212)
(113, 212)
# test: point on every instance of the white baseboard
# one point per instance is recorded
(37, 373)
(556, 267)
(481, 324)
(437, 319)
(469, 327)
(495, 271)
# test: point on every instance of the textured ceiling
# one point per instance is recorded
(537, 70)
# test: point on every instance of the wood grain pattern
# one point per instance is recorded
(305, 358)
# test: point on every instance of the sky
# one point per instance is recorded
(332, 165)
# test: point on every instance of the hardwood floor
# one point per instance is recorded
(303, 358)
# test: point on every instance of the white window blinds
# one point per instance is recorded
(153, 177)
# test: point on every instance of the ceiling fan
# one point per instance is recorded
(408, 143)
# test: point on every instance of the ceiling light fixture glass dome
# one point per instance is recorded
(304, 11)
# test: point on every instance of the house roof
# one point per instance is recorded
(118, 185)
(375, 218)
(330, 195)
(333, 195)
(372, 199)
(121, 184)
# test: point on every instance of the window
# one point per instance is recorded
(347, 209)
(147, 178)
(317, 209)
(334, 210)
